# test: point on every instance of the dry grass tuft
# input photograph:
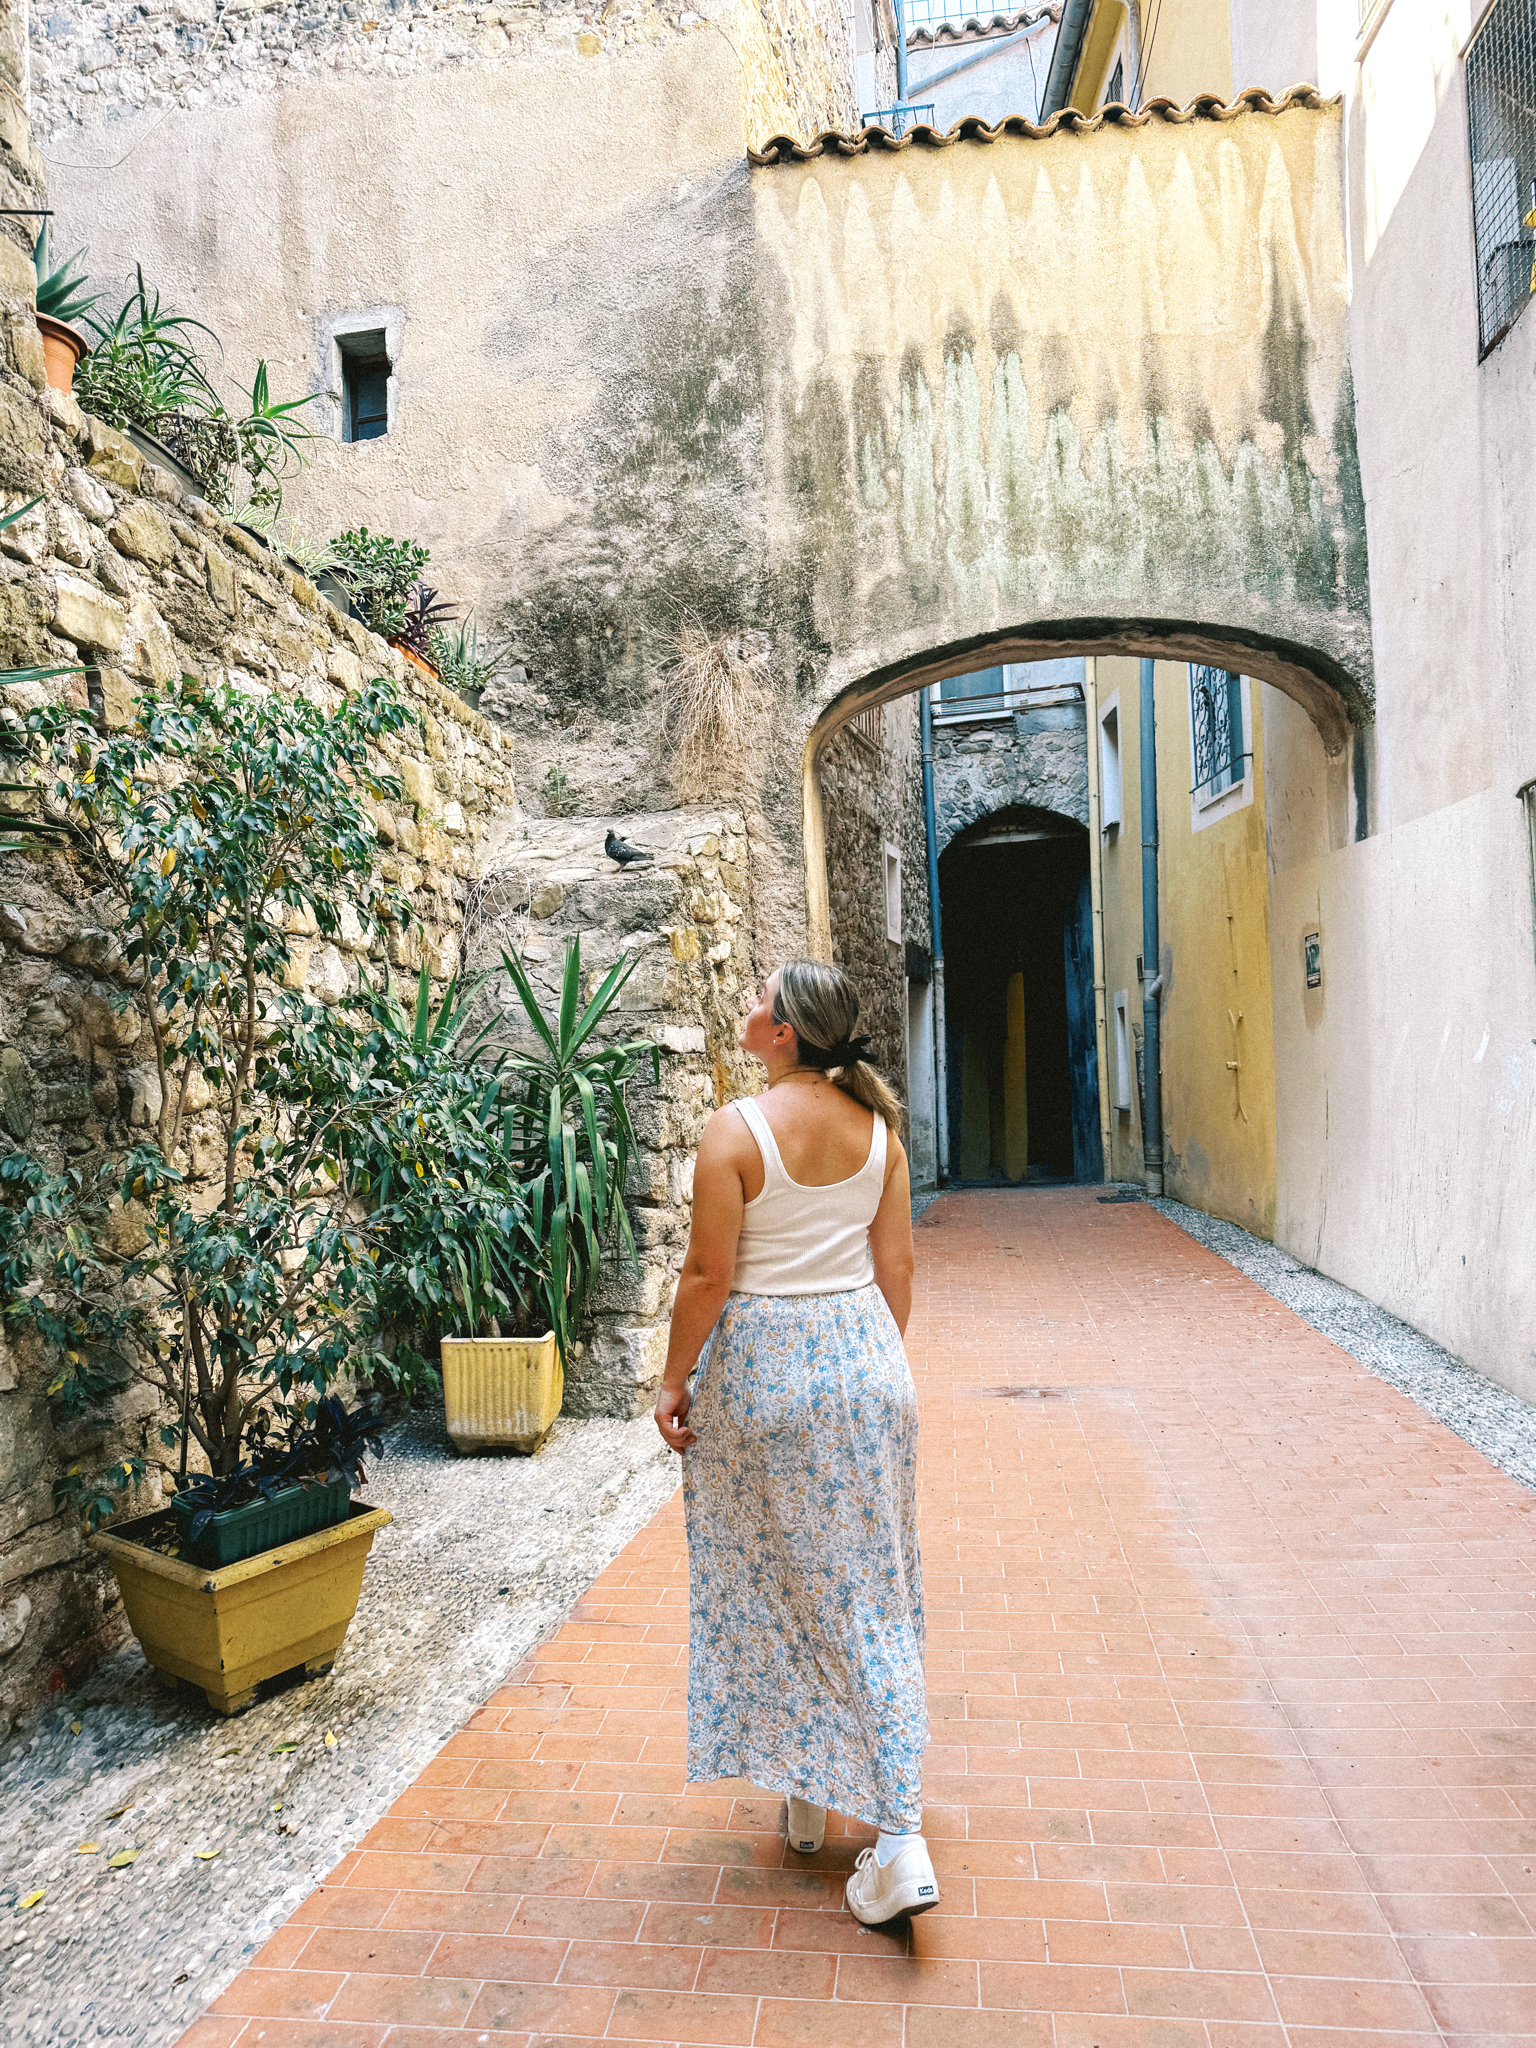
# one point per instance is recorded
(713, 693)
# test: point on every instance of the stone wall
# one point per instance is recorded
(688, 916)
(117, 571)
(90, 60)
(1036, 757)
(872, 796)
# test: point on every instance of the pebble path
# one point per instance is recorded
(234, 1822)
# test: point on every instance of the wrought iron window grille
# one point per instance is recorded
(1216, 731)
(1501, 130)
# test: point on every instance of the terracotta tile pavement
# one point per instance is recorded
(1232, 1667)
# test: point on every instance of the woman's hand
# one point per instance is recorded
(672, 1406)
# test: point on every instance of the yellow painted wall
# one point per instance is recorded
(1191, 51)
(1219, 1126)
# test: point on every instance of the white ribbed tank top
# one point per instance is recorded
(800, 1240)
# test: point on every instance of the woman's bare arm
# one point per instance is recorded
(890, 1239)
(708, 1265)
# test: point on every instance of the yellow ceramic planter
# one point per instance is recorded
(501, 1393)
(227, 1630)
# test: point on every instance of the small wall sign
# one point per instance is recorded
(1312, 956)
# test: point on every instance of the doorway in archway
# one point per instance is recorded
(1021, 1045)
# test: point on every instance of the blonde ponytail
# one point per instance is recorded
(821, 1006)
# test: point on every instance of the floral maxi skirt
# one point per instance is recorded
(805, 1661)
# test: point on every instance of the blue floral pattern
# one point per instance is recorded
(805, 1666)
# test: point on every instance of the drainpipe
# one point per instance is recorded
(1070, 37)
(1096, 903)
(901, 54)
(1152, 980)
(936, 927)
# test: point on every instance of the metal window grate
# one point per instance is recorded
(897, 120)
(1501, 124)
(1216, 721)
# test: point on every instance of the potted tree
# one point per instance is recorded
(227, 1260)
(565, 1128)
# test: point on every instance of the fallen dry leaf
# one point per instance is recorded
(75, 1727)
(282, 1748)
(88, 1848)
(205, 1855)
(123, 1858)
(330, 1740)
(32, 1899)
(118, 1811)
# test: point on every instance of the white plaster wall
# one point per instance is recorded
(1406, 1088)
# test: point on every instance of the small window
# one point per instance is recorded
(1123, 1051)
(1501, 131)
(365, 368)
(892, 893)
(988, 685)
(1111, 789)
(1216, 731)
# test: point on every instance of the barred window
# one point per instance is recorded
(1501, 125)
(1216, 730)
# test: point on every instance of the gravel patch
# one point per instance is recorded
(484, 1558)
(1482, 1413)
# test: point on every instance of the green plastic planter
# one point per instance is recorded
(264, 1524)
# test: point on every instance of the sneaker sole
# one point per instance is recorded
(911, 1899)
(808, 1847)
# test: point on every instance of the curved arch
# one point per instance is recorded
(1333, 699)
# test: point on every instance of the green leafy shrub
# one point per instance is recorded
(380, 574)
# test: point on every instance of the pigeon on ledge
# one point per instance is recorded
(620, 850)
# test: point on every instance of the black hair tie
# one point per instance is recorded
(844, 1054)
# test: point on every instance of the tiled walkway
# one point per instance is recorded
(1233, 1684)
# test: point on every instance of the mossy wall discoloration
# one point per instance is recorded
(1083, 387)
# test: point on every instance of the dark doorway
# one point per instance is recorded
(1018, 981)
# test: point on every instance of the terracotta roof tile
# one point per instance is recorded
(979, 27)
(783, 149)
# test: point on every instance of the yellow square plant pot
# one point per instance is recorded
(227, 1630)
(501, 1393)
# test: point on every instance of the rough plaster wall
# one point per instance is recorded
(120, 573)
(1034, 757)
(1039, 384)
(1406, 1085)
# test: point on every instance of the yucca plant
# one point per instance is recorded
(565, 1123)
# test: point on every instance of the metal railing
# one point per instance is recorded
(1501, 127)
(897, 120)
(935, 13)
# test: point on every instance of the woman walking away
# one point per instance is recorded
(805, 1670)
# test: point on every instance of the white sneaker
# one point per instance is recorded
(880, 1891)
(806, 1826)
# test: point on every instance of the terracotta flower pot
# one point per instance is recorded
(411, 655)
(63, 347)
(501, 1393)
(227, 1630)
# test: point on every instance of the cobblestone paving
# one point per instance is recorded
(1232, 1669)
(1498, 1423)
(484, 1557)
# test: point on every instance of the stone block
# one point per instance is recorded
(25, 345)
(147, 646)
(18, 275)
(119, 699)
(18, 1096)
(111, 456)
(221, 581)
(93, 499)
(143, 531)
(84, 614)
(417, 780)
(546, 900)
(22, 443)
(344, 668)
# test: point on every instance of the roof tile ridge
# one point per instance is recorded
(780, 149)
